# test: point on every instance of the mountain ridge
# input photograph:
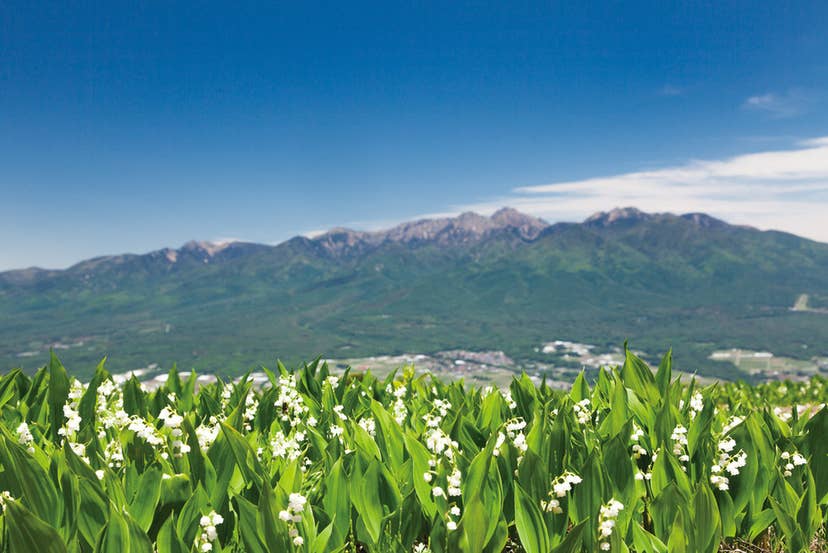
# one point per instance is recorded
(507, 281)
(467, 226)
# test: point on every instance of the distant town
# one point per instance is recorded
(565, 360)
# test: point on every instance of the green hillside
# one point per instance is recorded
(508, 282)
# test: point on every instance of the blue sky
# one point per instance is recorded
(129, 127)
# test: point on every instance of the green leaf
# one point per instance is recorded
(7, 388)
(620, 469)
(419, 466)
(664, 373)
(58, 393)
(678, 535)
(529, 522)
(389, 436)
(573, 539)
(365, 496)
(760, 523)
(26, 532)
(274, 532)
(190, 514)
(809, 516)
(645, 542)
(31, 483)
(706, 528)
(142, 507)
(94, 511)
(639, 378)
(86, 407)
(244, 455)
(115, 536)
(337, 501)
(168, 540)
(247, 527)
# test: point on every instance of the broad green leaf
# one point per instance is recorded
(529, 522)
(168, 540)
(26, 532)
(58, 393)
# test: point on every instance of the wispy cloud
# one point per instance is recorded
(780, 106)
(779, 189)
(773, 189)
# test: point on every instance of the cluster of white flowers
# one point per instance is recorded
(226, 394)
(437, 441)
(289, 401)
(114, 454)
(791, 461)
(453, 517)
(173, 421)
(209, 534)
(514, 431)
(206, 434)
(287, 447)
(399, 409)
(440, 443)
(5, 497)
(24, 436)
(679, 438)
(110, 407)
(336, 430)
(293, 514)
(146, 432)
(507, 396)
(421, 548)
(73, 420)
(726, 463)
(637, 450)
(606, 522)
(454, 481)
(647, 474)
(110, 414)
(70, 410)
(696, 404)
(338, 412)
(251, 405)
(583, 411)
(560, 486)
(369, 425)
(443, 449)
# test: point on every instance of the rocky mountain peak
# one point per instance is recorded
(508, 217)
(464, 228)
(703, 220)
(617, 215)
(204, 246)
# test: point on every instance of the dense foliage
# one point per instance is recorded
(317, 463)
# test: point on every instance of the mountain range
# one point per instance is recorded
(503, 282)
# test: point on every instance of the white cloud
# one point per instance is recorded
(315, 233)
(780, 106)
(784, 189)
